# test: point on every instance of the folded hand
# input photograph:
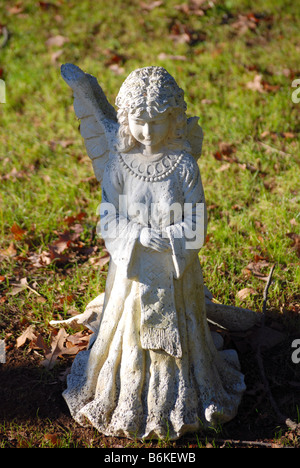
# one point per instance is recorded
(152, 239)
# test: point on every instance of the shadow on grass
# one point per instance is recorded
(31, 398)
(28, 391)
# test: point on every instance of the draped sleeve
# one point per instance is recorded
(120, 233)
(188, 236)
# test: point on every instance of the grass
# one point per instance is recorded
(252, 190)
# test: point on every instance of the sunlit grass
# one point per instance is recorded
(45, 175)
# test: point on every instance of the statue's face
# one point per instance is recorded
(151, 132)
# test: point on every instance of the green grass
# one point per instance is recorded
(45, 174)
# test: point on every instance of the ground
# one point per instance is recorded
(34, 413)
(238, 63)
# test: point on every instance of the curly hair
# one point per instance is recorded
(154, 90)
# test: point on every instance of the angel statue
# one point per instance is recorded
(154, 369)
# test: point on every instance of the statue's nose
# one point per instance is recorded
(146, 130)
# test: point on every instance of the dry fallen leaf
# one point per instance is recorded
(71, 219)
(14, 175)
(18, 287)
(100, 261)
(77, 342)
(28, 334)
(9, 252)
(52, 438)
(15, 9)
(245, 292)
(57, 348)
(40, 260)
(164, 56)
(256, 84)
(193, 7)
(182, 34)
(58, 41)
(244, 23)
(223, 168)
(64, 344)
(38, 343)
(116, 69)
(296, 242)
(17, 232)
(256, 267)
(151, 5)
(55, 55)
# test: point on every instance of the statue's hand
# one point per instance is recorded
(152, 239)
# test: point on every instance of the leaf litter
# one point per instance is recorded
(61, 344)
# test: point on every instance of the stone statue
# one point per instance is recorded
(153, 369)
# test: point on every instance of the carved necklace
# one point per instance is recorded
(151, 170)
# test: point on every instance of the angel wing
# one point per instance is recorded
(195, 136)
(98, 118)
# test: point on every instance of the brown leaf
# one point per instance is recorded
(63, 143)
(164, 56)
(64, 241)
(183, 34)
(295, 241)
(55, 55)
(256, 267)
(218, 156)
(260, 85)
(9, 252)
(14, 175)
(57, 348)
(67, 299)
(18, 287)
(71, 219)
(58, 41)
(245, 22)
(53, 438)
(223, 168)
(225, 152)
(116, 69)
(151, 5)
(256, 84)
(78, 341)
(47, 5)
(193, 7)
(289, 135)
(15, 9)
(28, 334)
(269, 87)
(17, 232)
(100, 261)
(227, 148)
(40, 260)
(59, 246)
(38, 343)
(245, 292)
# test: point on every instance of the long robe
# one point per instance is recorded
(153, 369)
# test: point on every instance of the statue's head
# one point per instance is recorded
(151, 94)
